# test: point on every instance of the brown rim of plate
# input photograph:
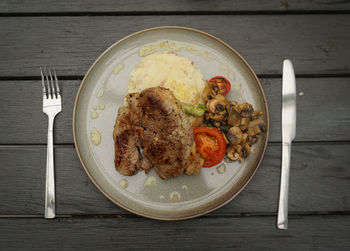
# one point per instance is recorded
(227, 199)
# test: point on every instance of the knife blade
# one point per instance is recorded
(288, 135)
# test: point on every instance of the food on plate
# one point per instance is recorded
(153, 130)
(221, 84)
(176, 122)
(171, 71)
(211, 145)
(196, 111)
(239, 123)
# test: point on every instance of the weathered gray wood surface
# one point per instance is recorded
(61, 33)
(20, 6)
(319, 182)
(325, 101)
(73, 43)
(252, 233)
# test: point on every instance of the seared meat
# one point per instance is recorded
(155, 121)
(126, 138)
(195, 162)
(169, 170)
(146, 164)
(167, 132)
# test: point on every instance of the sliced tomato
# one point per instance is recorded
(210, 144)
(222, 83)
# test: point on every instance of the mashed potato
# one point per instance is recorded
(170, 71)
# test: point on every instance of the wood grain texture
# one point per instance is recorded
(324, 102)
(316, 44)
(44, 32)
(319, 183)
(20, 6)
(304, 233)
(23, 121)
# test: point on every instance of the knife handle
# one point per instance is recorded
(282, 218)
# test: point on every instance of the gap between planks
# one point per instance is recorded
(212, 215)
(174, 13)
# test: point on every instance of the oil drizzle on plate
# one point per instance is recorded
(221, 169)
(100, 92)
(150, 181)
(175, 196)
(94, 115)
(95, 137)
(173, 46)
(184, 187)
(163, 45)
(123, 183)
(118, 68)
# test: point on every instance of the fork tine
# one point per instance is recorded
(54, 94)
(56, 82)
(43, 82)
(49, 91)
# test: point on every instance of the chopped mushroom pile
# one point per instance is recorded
(240, 124)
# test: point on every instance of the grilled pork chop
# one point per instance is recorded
(155, 121)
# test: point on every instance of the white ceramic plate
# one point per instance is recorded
(105, 85)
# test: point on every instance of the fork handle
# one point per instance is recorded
(50, 175)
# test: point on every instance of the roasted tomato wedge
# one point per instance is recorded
(210, 144)
(222, 83)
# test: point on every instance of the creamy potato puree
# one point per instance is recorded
(170, 71)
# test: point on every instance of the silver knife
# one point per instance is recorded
(288, 135)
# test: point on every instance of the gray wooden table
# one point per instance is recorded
(70, 35)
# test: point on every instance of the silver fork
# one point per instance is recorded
(51, 107)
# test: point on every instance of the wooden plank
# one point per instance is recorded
(23, 120)
(319, 182)
(18, 6)
(247, 233)
(317, 44)
(324, 100)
